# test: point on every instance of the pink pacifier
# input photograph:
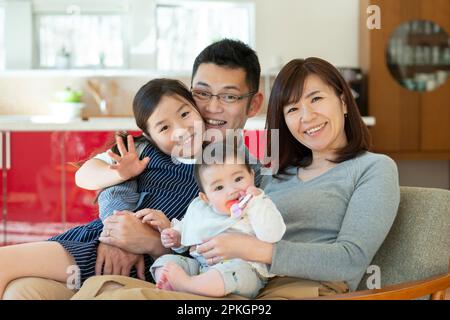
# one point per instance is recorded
(236, 206)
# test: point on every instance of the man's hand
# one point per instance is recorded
(127, 164)
(115, 261)
(156, 218)
(127, 232)
(170, 238)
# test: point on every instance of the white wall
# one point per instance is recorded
(288, 29)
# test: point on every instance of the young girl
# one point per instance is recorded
(165, 111)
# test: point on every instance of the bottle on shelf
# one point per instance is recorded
(436, 54)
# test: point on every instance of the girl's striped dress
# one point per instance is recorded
(165, 185)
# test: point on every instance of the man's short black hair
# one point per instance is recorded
(233, 54)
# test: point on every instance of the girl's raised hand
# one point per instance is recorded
(127, 164)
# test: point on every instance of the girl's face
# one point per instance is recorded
(176, 127)
(317, 119)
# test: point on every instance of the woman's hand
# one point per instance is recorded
(127, 232)
(234, 245)
(156, 218)
(127, 164)
(115, 261)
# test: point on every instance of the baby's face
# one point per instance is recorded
(224, 183)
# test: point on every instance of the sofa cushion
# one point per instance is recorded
(418, 244)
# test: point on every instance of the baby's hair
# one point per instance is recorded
(220, 153)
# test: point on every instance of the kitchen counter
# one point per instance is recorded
(48, 123)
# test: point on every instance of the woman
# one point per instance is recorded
(338, 200)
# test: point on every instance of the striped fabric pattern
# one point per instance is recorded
(123, 196)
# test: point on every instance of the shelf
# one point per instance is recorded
(416, 155)
(409, 71)
(424, 68)
(439, 39)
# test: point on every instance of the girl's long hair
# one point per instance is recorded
(145, 103)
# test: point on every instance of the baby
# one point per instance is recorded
(228, 202)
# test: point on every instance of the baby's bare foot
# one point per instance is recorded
(176, 277)
(162, 283)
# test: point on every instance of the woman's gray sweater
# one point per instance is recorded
(337, 221)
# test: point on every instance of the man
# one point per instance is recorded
(225, 86)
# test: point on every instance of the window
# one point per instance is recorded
(184, 28)
(80, 41)
(2, 37)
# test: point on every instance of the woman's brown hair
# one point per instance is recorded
(288, 88)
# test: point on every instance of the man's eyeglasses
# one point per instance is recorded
(227, 98)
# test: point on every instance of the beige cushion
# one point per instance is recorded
(123, 288)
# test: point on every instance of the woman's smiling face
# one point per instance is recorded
(317, 119)
(176, 127)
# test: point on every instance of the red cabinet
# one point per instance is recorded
(32, 185)
(80, 146)
(38, 195)
(256, 141)
(2, 182)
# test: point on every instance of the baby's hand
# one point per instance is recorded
(127, 164)
(170, 238)
(156, 218)
(254, 191)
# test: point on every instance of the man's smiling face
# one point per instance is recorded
(215, 79)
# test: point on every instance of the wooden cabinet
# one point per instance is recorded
(409, 124)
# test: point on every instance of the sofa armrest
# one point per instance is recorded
(436, 286)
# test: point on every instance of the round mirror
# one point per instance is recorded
(418, 55)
